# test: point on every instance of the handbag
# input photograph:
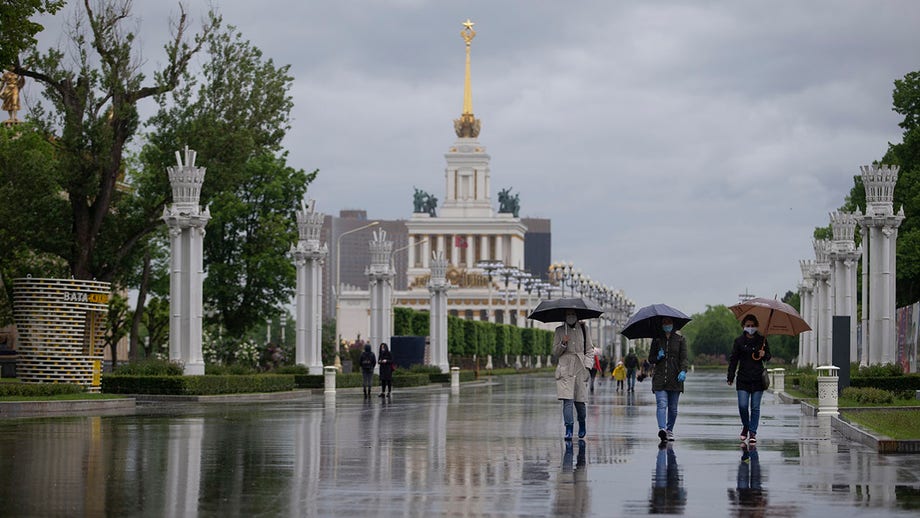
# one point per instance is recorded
(765, 377)
(588, 362)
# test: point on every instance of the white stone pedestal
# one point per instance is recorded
(827, 390)
(329, 379)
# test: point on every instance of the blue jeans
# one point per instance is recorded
(749, 408)
(631, 379)
(667, 408)
(567, 413)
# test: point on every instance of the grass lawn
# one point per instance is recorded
(897, 424)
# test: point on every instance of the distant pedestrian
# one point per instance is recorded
(604, 361)
(386, 371)
(619, 374)
(668, 353)
(749, 352)
(644, 370)
(575, 352)
(632, 365)
(367, 361)
(597, 367)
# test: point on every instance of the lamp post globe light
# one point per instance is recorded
(338, 289)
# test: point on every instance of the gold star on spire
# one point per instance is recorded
(467, 126)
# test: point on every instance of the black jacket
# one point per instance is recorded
(368, 360)
(747, 368)
(386, 365)
(674, 361)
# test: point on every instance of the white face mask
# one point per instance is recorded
(750, 330)
(571, 319)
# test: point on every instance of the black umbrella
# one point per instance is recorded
(646, 323)
(554, 310)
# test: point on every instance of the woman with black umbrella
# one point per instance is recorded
(573, 346)
(669, 355)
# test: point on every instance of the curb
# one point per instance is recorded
(56, 408)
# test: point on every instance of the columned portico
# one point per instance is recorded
(844, 257)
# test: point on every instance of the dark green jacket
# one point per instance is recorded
(674, 361)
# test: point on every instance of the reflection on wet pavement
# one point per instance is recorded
(493, 449)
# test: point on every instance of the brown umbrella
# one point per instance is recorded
(775, 316)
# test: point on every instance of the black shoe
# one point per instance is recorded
(380, 395)
(663, 435)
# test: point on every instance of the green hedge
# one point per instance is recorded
(867, 395)
(890, 383)
(196, 385)
(39, 389)
(354, 379)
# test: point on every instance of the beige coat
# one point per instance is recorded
(571, 374)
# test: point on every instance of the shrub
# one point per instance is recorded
(880, 371)
(867, 395)
(150, 368)
(196, 385)
(292, 369)
(39, 389)
(890, 383)
(425, 369)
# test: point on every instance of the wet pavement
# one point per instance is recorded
(489, 450)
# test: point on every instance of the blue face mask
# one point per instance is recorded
(667, 328)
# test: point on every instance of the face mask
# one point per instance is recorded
(667, 328)
(571, 319)
(750, 330)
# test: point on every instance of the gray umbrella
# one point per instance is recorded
(554, 310)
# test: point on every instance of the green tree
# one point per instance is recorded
(252, 192)
(91, 118)
(18, 28)
(712, 332)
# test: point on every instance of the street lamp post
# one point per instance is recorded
(489, 267)
(283, 324)
(338, 288)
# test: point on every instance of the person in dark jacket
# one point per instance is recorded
(632, 364)
(386, 371)
(367, 361)
(746, 364)
(668, 353)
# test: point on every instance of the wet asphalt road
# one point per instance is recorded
(490, 450)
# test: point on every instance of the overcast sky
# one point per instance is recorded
(684, 150)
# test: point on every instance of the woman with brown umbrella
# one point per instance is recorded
(749, 352)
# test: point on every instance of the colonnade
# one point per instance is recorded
(828, 286)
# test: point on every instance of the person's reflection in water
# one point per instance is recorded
(749, 497)
(572, 497)
(668, 495)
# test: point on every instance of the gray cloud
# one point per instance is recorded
(684, 150)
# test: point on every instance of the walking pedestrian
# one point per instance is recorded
(749, 352)
(595, 368)
(386, 371)
(575, 352)
(632, 364)
(619, 374)
(367, 361)
(668, 353)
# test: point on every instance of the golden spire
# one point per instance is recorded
(467, 126)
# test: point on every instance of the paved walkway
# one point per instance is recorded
(491, 449)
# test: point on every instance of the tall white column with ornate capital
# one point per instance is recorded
(309, 256)
(438, 286)
(823, 300)
(806, 299)
(380, 274)
(844, 257)
(881, 224)
(186, 222)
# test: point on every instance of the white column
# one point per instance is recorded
(864, 321)
(380, 276)
(411, 251)
(470, 244)
(484, 246)
(886, 302)
(876, 296)
(309, 256)
(186, 222)
(850, 301)
(499, 248)
(426, 251)
(437, 287)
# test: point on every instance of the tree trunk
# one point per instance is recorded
(133, 349)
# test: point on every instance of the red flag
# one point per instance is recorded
(459, 241)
